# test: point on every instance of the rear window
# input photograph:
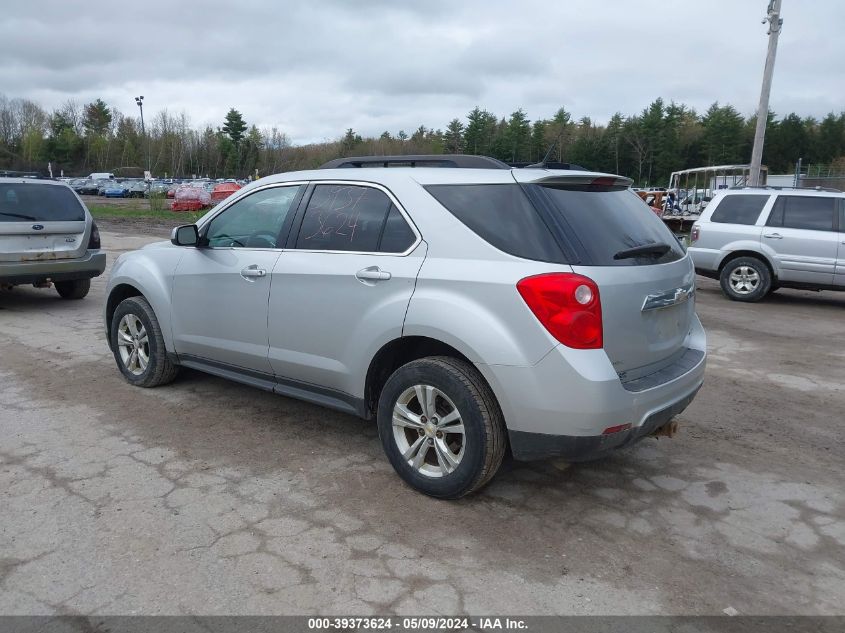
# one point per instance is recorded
(589, 226)
(744, 209)
(803, 212)
(30, 202)
(597, 225)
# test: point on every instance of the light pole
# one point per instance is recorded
(775, 23)
(140, 102)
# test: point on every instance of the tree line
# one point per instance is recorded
(647, 146)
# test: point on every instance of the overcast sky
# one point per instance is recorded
(314, 68)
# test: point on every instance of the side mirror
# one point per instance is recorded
(185, 235)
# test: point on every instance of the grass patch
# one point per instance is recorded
(143, 212)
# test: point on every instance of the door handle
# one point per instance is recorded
(774, 236)
(373, 273)
(250, 272)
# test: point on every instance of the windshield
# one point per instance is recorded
(31, 202)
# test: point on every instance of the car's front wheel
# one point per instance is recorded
(745, 279)
(138, 345)
(441, 427)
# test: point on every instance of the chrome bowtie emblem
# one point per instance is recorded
(667, 298)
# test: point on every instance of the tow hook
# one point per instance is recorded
(670, 429)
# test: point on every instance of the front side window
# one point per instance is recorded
(344, 218)
(254, 221)
(803, 212)
(739, 209)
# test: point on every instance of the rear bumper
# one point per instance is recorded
(562, 405)
(705, 260)
(574, 448)
(92, 264)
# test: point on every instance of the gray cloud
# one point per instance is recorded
(314, 68)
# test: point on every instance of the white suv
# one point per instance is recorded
(755, 240)
(466, 310)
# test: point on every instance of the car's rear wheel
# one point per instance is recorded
(138, 345)
(745, 279)
(441, 427)
(76, 289)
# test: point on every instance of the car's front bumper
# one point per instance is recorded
(563, 405)
(92, 264)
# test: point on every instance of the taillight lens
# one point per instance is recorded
(568, 306)
(94, 240)
(694, 234)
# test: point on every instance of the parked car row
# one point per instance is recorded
(139, 188)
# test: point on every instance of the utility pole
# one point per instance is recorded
(775, 24)
(140, 102)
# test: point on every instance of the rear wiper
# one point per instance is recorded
(658, 249)
(17, 215)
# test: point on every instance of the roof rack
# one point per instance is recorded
(462, 161)
(778, 188)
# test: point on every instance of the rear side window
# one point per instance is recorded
(602, 226)
(803, 212)
(397, 236)
(743, 209)
(503, 216)
(353, 218)
(31, 202)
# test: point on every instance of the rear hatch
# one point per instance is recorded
(40, 221)
(607, 233)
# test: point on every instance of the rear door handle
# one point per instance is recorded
(373, 273)
(774, 236)
(250, 272)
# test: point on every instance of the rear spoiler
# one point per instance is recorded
(575, 180)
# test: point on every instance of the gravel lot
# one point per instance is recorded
(208, 497)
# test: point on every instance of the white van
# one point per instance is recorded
(101, 176)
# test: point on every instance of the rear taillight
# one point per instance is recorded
(94, 240)
(694, 234)
(568, 306)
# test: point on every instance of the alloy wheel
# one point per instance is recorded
(429, 431)
(133, 344)
(744, 280)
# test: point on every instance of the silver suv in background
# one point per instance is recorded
(47, 236)
(466, 310)
(756, 240)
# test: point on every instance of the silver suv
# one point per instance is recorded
(47, 236)
(467, 310)
(756, 240)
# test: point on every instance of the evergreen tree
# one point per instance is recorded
(97, 117)
(454, 137)
(234, 126)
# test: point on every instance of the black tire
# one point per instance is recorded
(159, 370)
(484, 438)
(76, 289)
(755, 286)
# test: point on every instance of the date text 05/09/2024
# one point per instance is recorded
(417, 623)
